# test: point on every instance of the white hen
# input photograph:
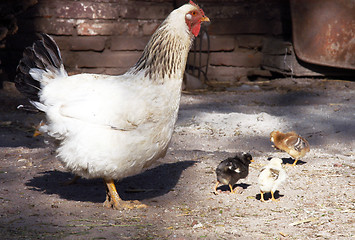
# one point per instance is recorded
(270, 177)
(112, 127)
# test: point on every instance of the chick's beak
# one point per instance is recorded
(205, 19)
(252, 160)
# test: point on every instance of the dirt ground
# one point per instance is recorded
(316, 202)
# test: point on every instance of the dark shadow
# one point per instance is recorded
(329, 71)
(149, 184)
(225, 188)
(17, 125)
(286, 21)
(14, 136)
(267, 196)
(290, 160)
(23, 13)
(242, 185)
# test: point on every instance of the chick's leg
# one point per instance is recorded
(114, 201)
(37, 132)
(216, 186)
(273, 198)
(231, 188)
(262, 196)
(295, 162)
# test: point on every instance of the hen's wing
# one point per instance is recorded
(95, 99)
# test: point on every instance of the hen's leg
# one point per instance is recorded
(112, 198)
(114, 201)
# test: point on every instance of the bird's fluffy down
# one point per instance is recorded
(230, 170)
(114, 126)
(272, 175)
(290, 142)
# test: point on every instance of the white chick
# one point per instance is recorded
(270, 177)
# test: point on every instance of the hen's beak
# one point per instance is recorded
(205, 19)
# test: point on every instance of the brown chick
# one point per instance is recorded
(290, 142)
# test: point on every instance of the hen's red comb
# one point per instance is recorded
(194, 4)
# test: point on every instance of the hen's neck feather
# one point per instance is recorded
(165, 55)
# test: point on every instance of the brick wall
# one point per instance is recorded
(107, 36)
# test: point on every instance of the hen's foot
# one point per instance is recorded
(114, 201)
(120, 204)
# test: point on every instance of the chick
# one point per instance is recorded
(270, 177)
(295, 145)
(230, 170)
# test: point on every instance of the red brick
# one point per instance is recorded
(47, 25)
(63, 42)
(95, 43)
(133, 28)
(250, 41)
(150, 27)
(104, 59)
(228, 74)
(73, 71)
(89, 10)
(115, 71)
(217, 43)
(92, 28)
(196, 62)
(88, 43)
(75, 9)
(128, 43)
(146, 10)
(244, 25)
(105, 28)
(238, 59)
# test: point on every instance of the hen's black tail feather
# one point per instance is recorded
(44, 55)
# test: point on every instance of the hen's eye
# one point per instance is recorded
(193, 13)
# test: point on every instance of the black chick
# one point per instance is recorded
(229, 171)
